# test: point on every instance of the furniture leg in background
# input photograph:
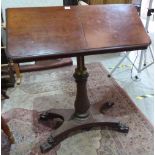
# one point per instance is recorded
(7, 131)
(17, 71)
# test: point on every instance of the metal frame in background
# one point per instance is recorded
(143, 53)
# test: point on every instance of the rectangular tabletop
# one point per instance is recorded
(56, 32)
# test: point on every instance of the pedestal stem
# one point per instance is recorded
(82, 103)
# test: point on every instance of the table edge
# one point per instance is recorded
(83, 52)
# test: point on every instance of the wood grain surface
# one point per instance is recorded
(56, 32)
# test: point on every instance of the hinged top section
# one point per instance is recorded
(56, 32)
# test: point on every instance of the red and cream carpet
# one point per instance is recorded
(56, 89)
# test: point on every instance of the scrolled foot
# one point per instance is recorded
(106, 106)
(44, 116)
(123, 128)
(50, 139)
(48, 115)
(45, 147)
(50, 144)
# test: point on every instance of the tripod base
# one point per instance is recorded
(70, 124)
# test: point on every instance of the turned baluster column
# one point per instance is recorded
(82, 103)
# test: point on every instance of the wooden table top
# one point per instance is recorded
(56, 32)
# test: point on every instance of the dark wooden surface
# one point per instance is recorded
(92, 2)
(70, 2)
(55, 32)
(7, 131)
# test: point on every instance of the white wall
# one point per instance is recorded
(28, 3)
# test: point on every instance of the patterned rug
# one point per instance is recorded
(56, 89)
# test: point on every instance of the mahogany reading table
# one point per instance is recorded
(59, 32)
